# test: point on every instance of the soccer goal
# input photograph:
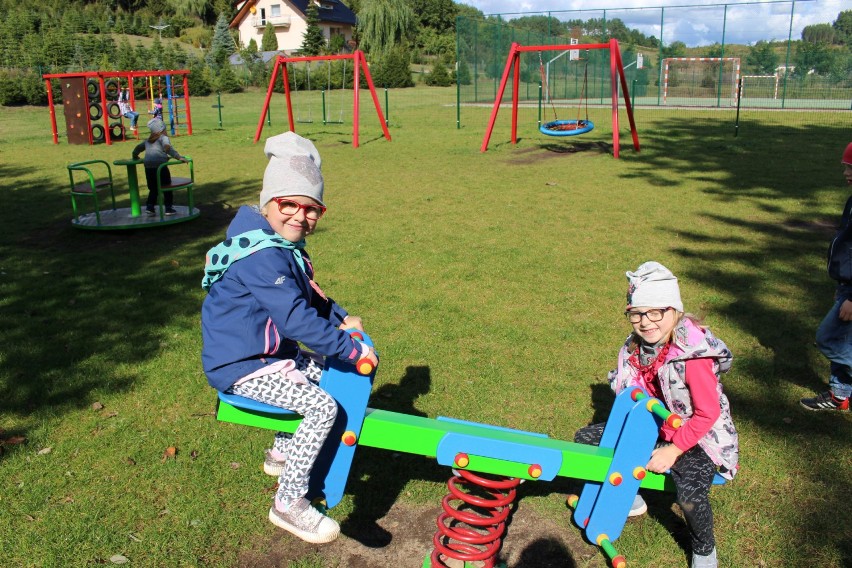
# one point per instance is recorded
(700, 81)
(758, 87)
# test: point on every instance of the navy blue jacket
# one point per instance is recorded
(840, 251)
(263, 305)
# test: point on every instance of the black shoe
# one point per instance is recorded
(170, 211)
(825, 401)
(150, 212)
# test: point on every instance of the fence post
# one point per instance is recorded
(660, 57)
(722, 59)
(787, 60)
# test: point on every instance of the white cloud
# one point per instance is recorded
(697, 25)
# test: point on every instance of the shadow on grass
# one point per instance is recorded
(377, 478)
(85, 310)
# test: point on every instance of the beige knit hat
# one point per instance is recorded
(156, 125)
(653, 286)
(293, 169)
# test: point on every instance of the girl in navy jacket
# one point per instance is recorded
(262, 302)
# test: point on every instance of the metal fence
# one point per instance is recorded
(684, 59)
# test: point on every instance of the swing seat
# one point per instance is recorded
(566, 127)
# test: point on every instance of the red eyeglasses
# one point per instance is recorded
(290, 207)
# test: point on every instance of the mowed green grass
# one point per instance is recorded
(492, 283)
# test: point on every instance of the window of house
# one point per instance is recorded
(275, 10)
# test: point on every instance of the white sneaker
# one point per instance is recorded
(272, 465)
(709, 561)
(302, 520)
(638, 507)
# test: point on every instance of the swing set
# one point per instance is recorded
(564, 127)
(558, 127)
(327, 106)
(359, 64)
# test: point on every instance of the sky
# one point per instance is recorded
(689, 21)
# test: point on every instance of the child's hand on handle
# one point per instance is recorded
(350, 322)
(662, 459)
(367, 361)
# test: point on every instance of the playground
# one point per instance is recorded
(492, 284)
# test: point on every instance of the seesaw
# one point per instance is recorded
(485, 459)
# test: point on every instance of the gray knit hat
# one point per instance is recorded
(293, 169)
(653, 286)
(156, 125)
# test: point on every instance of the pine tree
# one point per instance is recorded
(269, 42)
(223, 44)
(313, 42)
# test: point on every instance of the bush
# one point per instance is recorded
(440, 76)
(226, 80)
(23, 88)
(11, 93)
(392, 70)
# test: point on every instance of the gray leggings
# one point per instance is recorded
(692, 474)
(318, 409)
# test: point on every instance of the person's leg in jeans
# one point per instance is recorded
(834, 340)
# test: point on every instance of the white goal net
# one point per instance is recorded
(700, 81)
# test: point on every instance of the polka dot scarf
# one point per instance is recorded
(229, 251)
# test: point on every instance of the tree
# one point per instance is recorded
(675, 49)
(384, 24)
(762, 58)
(843, 27)
(439, 15)
(223, 43)
(818, 33)
(816, 57)
(269, 41)
(313, 41)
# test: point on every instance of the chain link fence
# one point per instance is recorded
(681, 60)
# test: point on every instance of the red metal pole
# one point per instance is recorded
(52, 111)
(186, 100)
(369, 79)
(500, 90)
(107, 136)
(515, 84)
(285, 76)
(357, 86)
(613, 48)
(627, 104)
(268, 96)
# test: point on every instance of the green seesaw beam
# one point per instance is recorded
(422, 436)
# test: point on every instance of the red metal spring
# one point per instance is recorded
(486, 516)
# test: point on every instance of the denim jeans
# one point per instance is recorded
(133, 116)
(834, 339)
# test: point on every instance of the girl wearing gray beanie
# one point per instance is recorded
(262, 304)
(679, 362)
(158, 149)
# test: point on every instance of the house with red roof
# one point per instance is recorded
(288, 18)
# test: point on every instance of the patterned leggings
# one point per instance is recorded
(317, 407)
(692, 474)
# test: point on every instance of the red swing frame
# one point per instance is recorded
(359, 63)
(616, 74)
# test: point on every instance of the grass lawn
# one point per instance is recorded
(492, 283)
